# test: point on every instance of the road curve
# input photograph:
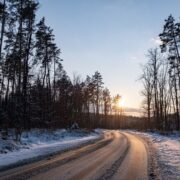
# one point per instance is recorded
(91, 165)
(119, 156)
(135, 163)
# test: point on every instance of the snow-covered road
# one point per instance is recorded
(113, 157)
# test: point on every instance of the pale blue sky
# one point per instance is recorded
(111, 36)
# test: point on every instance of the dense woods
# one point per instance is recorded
(35, 90)
(161, 80)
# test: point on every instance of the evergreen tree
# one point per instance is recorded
(98, 84)
(170, 38)
(47, 55)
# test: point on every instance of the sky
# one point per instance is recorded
(111, 36)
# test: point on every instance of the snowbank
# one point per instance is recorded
(40, 143)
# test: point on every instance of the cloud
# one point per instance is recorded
(156, 41)
(133, 58)
(137, 57)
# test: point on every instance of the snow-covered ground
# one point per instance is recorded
(40, 143)
(168, 154)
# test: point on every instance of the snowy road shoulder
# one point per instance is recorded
(39, 144)
(168, 153)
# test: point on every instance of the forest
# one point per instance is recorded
(36, 91)
(161, 80)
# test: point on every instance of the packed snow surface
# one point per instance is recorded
(168, 152)
(41, 142)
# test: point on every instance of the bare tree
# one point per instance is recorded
(147, 81)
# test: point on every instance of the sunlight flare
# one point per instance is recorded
(121, 103)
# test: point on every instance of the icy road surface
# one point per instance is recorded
(120, 156)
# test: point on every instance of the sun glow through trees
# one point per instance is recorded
(121, 102)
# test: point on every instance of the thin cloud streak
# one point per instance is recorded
(155, 41)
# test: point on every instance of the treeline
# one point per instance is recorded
(161, 80)
(35, 90)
